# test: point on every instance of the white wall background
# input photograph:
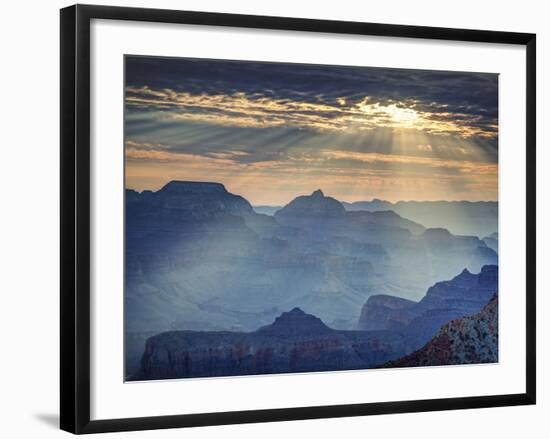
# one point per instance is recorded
(29, 248)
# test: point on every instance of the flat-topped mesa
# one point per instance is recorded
(200, 198)
(316, 204)
(437, 233)
(295, 322)
(193, 187)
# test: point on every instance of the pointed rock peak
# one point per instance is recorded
(314, 205)
(318, 193)
(464, 277)
(294, 322)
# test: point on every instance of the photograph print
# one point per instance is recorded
(286, 218)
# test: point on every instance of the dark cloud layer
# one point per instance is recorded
(466, 93)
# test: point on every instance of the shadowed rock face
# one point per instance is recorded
(299, 342)
(316, 205)
(467, 340)
(464, 295)
(294, 342)
(295, 322)
(319, 210)
(492, 241)
(196, 199)
(460, 217)
(386, 312)
(199, 258)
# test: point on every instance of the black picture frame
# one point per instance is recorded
(75, 217)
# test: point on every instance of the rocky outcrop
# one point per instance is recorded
(478, 218)
(439, 238)
(199, 258)
(492, 241)
(196, 199)
(317, 208)
(467, 340)
(386, 312)
(314, 205)
(408, 243)
(461, 296)
(181, 223)
(388, 218)
(295, 322)
(294, 342)
(468, 292)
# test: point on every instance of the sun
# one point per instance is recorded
(391, 115)
(400, 115)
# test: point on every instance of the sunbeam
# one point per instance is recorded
(378, 133)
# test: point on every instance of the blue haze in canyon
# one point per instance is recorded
(299, 218)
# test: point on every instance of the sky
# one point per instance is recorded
(273, 131)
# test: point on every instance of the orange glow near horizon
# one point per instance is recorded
(355, 133)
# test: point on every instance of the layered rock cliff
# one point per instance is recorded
(294, 342)
(199, 258)
(467, 340)
(461, 296)
(478, 218)
(316, 204)
(386, 312)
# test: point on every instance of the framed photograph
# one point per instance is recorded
(267, 219)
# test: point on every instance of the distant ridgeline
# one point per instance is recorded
(298, 342)
(478, 218)
(199, 258)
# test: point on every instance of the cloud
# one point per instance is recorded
(158, 153)
(459, 92)
(326, 162)
(257, 111)
(412, 162)
(426, 147)
(345, 175)
(273, 130)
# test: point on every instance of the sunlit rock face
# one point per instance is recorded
(466, 340)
